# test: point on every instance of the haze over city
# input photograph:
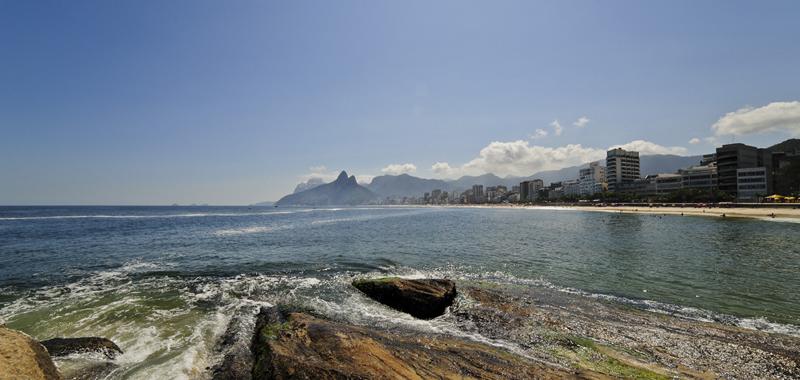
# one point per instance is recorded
(205, 102)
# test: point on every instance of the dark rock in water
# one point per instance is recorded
(234, 348)
(424, 299)
(298, 345)
(67, 346)
(21, 357)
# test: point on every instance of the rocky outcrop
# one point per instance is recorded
(298, 345)
(620, 340)
(67, 346)
(425, 299)
(21, 357)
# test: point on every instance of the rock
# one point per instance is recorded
(423, 299)
(234, 348)
(67, 346)
(21, 357)
(298, 345)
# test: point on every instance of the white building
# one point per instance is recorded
(592, 180)
(622, 167)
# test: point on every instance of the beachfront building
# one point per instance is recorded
(730, 159)
(571, 188)
(622, 167)
(529, 190)
(703, 177)
(751, 184)
(592, 180)
(477, 194)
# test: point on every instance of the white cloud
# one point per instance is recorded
(519, 158)
(774, 117)
(557, 129)
(694, 141)
(364, 179)
(647, 147)
(538, 134)
(320, 172)
(581, 122)
(397, 169)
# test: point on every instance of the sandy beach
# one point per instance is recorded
(736, 212)
(772, 213)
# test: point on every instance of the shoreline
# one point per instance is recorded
(766, 213)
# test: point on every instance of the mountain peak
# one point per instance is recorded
(342, 176)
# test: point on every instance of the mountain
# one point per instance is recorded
(666, 163)
(404, 185)
(343, 191)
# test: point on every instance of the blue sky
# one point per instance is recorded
(145, 102)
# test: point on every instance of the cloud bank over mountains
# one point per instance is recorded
(523, 157)
(397, 169)
(520, 158)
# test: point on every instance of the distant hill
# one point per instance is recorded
(404, 185)
(343, 191)
(263, 204)
(666, 163)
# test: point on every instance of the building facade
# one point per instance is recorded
(529, 190)
(731, 158)
(622, 167)
(592, 180)
(751, 184)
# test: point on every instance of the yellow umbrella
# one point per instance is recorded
(775, 196)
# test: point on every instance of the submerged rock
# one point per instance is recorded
(298, 345)
(67, 346)
(21, 357)
(425, 299)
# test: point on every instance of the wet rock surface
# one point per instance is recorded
(21, 357)
(620, 340)
(425, 298)
(234, 348)
(68, 346)
(292, 344)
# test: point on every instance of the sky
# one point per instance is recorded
(154, 102)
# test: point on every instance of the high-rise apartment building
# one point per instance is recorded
(622, 167)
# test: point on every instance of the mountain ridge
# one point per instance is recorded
(344, 191)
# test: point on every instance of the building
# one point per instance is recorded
(751, 184)
(703, 177)
(571, 188)
(592, 180)
(477, 194)
(785, 168)
(622, 167)
(708, 159)
(529, 190)
(731, 158)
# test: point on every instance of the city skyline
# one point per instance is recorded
(122, 104)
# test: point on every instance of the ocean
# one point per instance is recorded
(164, 282)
